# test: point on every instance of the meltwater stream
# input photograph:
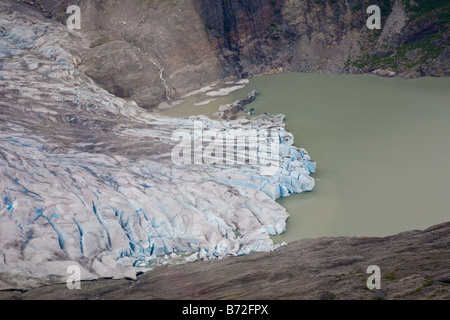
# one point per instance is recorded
(382, 146)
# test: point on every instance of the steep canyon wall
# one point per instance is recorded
(154, 50)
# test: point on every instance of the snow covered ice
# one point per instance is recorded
(86, 178)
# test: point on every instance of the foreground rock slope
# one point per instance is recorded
(414, 265)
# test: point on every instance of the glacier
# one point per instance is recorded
(86, 178)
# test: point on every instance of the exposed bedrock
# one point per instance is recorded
(148, 51)
(264, 36)
(174, 47)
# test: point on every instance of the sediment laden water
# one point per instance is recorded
(382, 146)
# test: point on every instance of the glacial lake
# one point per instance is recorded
(382, 146)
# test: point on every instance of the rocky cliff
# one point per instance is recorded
(253, 37)
(151, 50)
(148, 51)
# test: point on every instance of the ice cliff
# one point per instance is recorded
(86, 178)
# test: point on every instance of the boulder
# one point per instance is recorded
(384, 73)
(250, 97)
(239, 105)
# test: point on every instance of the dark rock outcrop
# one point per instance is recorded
(262, 36)
(250, 97)
(235, 107)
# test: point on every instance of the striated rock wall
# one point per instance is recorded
(254, 37)
(161, 50)
(148, 51)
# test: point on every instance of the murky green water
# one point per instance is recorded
(382, 146)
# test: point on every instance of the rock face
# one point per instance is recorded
(143, 50)
(263, 36)
(114, 66)
(414, 265)
(174, 47)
